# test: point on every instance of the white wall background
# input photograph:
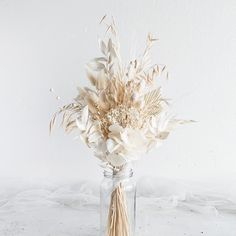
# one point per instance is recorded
(46, 44)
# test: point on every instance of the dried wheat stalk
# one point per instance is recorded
(118, 221)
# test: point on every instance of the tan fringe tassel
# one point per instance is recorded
(118, 222)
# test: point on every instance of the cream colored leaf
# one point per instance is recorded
(111, 145)
(103, 47)
(103, 18)
(110, 44)
(93, 137)
(85, 114)
(113, 52)
(99, 66)
(116, 160)
(163, 135)
(115, 128)
(100, 59)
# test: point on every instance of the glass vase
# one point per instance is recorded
(117, 203)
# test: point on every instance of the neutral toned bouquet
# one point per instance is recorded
(122, 115)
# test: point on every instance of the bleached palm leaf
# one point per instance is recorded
(152, 103)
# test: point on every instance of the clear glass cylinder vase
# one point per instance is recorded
(117, 203)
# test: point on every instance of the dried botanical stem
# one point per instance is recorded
(118, 221)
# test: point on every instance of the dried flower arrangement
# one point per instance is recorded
(120, 117)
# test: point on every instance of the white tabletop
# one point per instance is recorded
(164, 208)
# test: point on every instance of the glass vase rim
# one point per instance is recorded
(113, 173)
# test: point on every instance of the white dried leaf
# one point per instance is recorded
(110, 46)
(111, 145)
(116, 129)
(116, 160)
(163, 135)
(99, 66)
(100, 59)
(92, 138)
(82, 121)
(95, 66)
(113, 52)
(103, 47)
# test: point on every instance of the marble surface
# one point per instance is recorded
(71, 208)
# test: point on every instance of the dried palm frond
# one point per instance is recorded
(153, 101)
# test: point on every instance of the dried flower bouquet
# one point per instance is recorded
(121, 116)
